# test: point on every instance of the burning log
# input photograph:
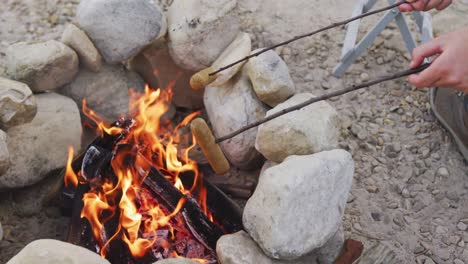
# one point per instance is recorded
(193, 235)
(202, 228)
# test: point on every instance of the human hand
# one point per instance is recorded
(424, 5)
(449, 68)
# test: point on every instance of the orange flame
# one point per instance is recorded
(70, 178)
(165, 149)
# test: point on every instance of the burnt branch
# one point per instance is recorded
(337, 24)
(325, 97)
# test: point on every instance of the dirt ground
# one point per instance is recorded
(410, 189)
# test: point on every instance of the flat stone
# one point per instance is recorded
(17, 103)
(78, 40)
(55, 252)
(298, 205)
(38, 147)
(240, 248)
(120, 29)
(106, 92)
(43, 66)
(270, 78)
(309, 130)
(239, 48)
(200, 30)
(230, 107)
(156, 59)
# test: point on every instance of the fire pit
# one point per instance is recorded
(135, 194)
(138, 197)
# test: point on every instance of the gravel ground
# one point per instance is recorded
(411, 186)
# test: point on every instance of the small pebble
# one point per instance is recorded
(458, 261)
(443, 172)
(461, 226)
(377, 217)
(364, 77)
(380, 61)
(357, 227)
(405, 193)
(429, 261)
(419, 249)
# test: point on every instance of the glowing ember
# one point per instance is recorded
(143, 224)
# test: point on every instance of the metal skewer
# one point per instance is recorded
(325, 97)
(337, 24)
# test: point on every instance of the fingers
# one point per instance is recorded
(444, 4)
(405, 8)
(426, 78)
(426, 50)
(424, 5)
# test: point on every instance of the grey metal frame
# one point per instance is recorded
(352, 51)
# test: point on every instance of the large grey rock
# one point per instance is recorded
(298, 204)
(42, 66)
(4, 153)
(40, 146)
(230, 107)
(239, 48)
(17, 103)
(199, 31)
(120, 29)
(239, 248)
(309, 130)
(176, 261)
(270, 78)
(156, 59)
(106, 92)
(79, 41)
(55, 252)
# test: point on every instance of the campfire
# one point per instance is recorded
(138, 197)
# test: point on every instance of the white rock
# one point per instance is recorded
(156, 58)
(17, 103)
(120, 29)
(176, 261)
(270, 78)
(298, 204)
(55, 252)
(230, 107)
(42, 66)
(106, 92)
(4, 154)
(79, 41)
(239, 248)
(309, 130)
(199, 31)
(40, 146)
(238, 49)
